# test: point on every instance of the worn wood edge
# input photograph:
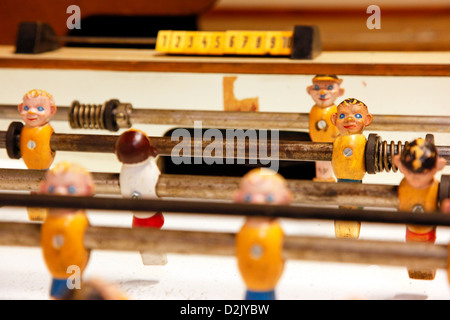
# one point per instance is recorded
(235, 68)
(154, 62)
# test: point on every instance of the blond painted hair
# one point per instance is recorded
(37, 92)
(264, 178)
(264, 174)
(66, 167)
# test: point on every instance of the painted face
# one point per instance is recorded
(263, 190)
(36, 111)
(325, 93)
(351, 119)
(67, 184)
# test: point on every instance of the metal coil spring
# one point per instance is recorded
(86, 116)
(380, 154)
(386, 153)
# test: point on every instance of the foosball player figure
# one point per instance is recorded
(36, 110)
(348, 160)
(418, 192)
(138, 178)
(63, 230)
(324, 91)
(259, 243)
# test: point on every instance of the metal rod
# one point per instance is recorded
(105, 40)
(418, 255)
(231, 209)
(256, 120)
(223, 188)
(279, 120)
(221, 119)
(250, 149)
(284, 150)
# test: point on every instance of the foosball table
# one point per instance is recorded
(178, 206)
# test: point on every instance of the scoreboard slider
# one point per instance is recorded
(302, 43)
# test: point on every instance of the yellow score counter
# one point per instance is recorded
(302, 43)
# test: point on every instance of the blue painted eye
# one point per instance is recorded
(72, 189)
(51, 189)
(358, 116)
(40, 108)
(330, 87)
(316, 87)
(270, 198)
(247, 198)
(341, 116)
(26, 108)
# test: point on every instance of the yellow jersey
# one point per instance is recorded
(348, 159)
(62, 242)
(321, 129)
(35, 147)
(259, 250)
(418, 200)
